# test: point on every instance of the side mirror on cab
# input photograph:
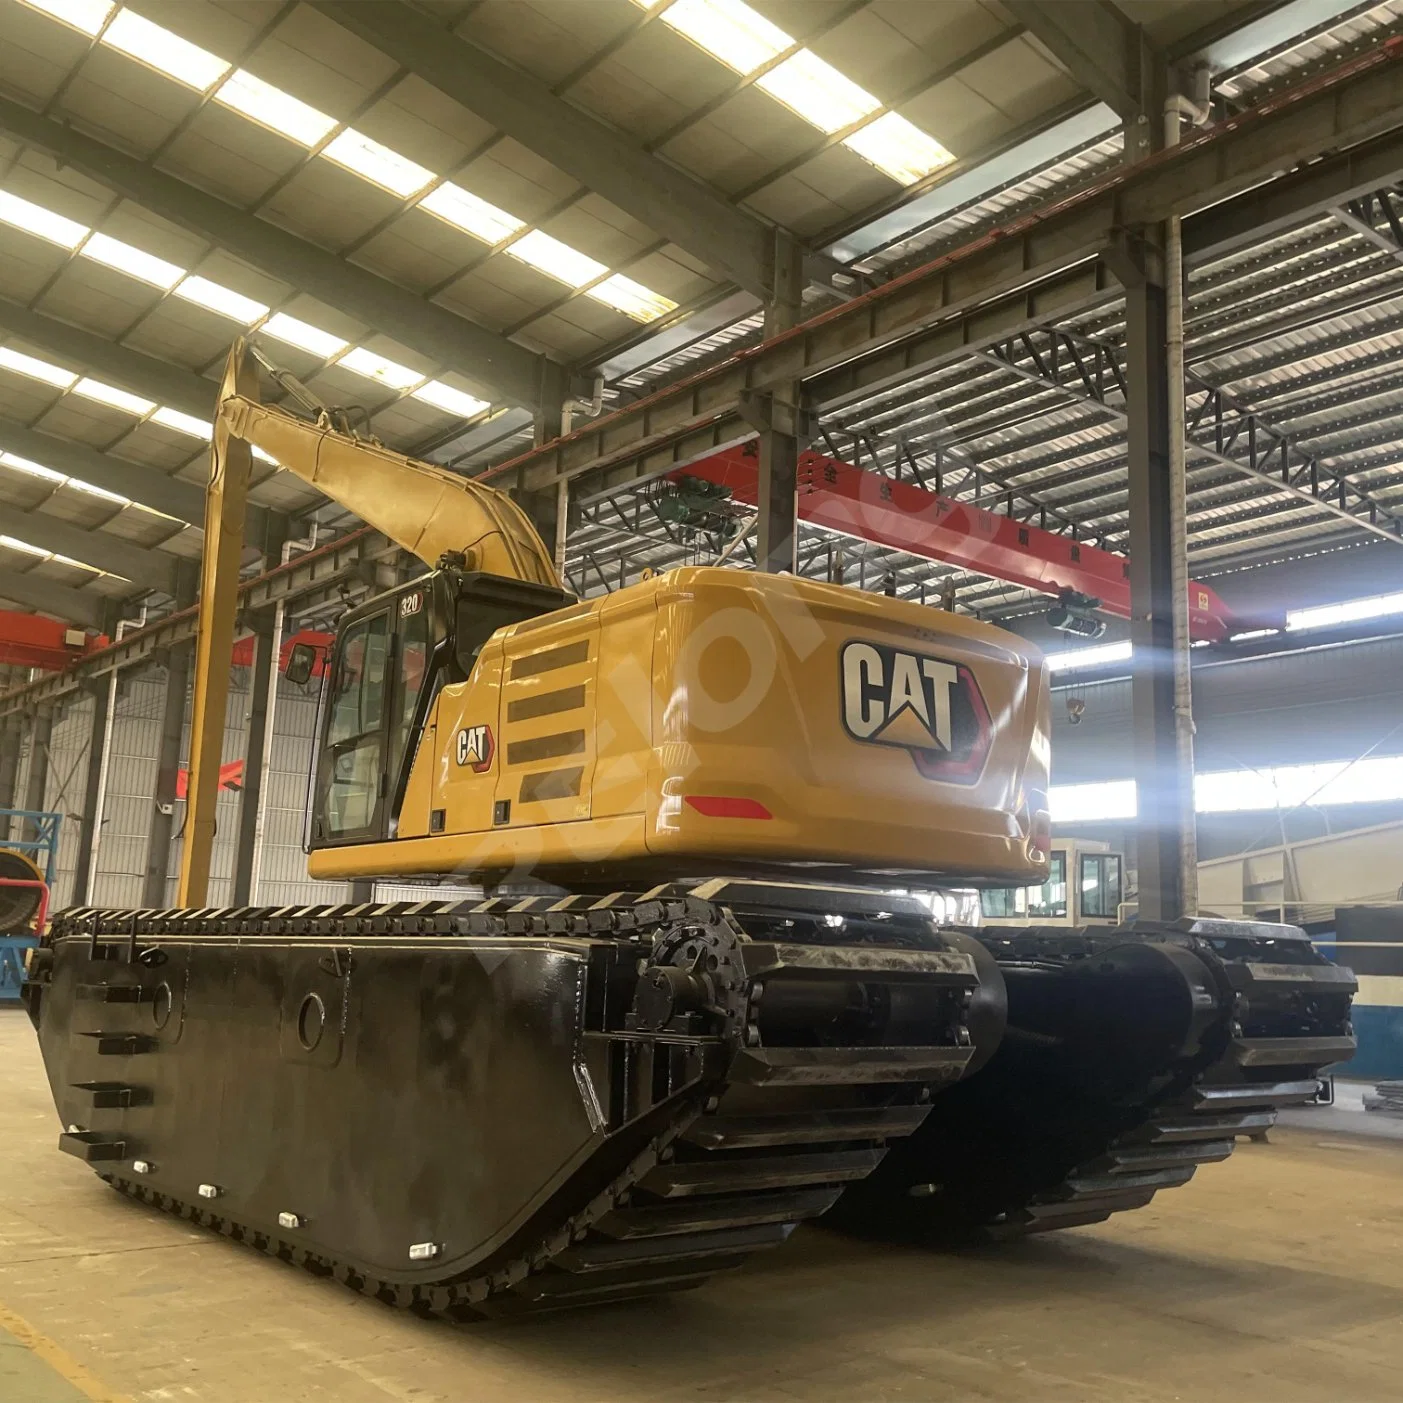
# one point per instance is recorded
(301, 663)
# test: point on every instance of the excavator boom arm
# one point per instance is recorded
(425, 509)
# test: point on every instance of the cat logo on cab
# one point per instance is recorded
(928, 706)
(475, 747)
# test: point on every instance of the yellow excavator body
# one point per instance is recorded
(711, 719)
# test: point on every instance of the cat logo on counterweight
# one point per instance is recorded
(475, 747)
(929, 706)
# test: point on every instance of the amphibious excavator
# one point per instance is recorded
(737, 993)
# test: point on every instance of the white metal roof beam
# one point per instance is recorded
(735, 244)
(57, 601)
(496, 367)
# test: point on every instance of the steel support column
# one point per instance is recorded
(36, 778)
(177, 659)
(779, 422)
(91, 819)
(547, 506)
(1165, 792)
(264, 677)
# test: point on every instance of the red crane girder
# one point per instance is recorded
(870, 507)
(30, 640)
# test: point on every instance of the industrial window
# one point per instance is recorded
(355, 737)
(1099, 885)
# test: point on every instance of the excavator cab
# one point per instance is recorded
(390, 657)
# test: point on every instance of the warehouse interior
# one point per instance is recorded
(1078, 318)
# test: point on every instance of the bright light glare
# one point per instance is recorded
(632, 299)
(35, 219)
(113, 253)
(282, 327)
(898, 148)
(1351, 611)
(386, 168)
(168, 53)
(1085, 803)
(1374, 780)
(1074, 658)
(36, 369)
(451, 401)
(729, 30)
(214, 297)
(273, 108)
(1370, 781)
(556, 259)
(373, 367)
(111, 395)
(818, 92)
(182, 423)
(79, 485)
(86, 15)
(462, 209)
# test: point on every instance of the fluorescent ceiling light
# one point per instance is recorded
(632, 299)
(27, 465)
(729, 30)
(36, 369)
(35, 219)
(167, 53)
(556, 259)
(282, 327)
(451, 401)
(113, 253)
(1074, 658)
(182, 423)
(111, 395)
(214, 297)
(1351, 611)
(272, 108)
(373, 367)
(818, 92)
(898, 148)
(386, 168)
(86, 15)
(23, 546)
(465, 211)
(1086, 803)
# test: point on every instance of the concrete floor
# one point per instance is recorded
(1276, 1278)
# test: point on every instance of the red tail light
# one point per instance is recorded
(727, 806)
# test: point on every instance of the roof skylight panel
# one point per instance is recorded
(87, 16)
(740, 37)
(44, 223)
(821, 95)
(556, 260)
(378, 164)
(137, 263)
(36, 369)
(113, 397)
(898, 148)
(10, 543)
(215, 297)
(632, 299)
(472, 215)
(451, 401)
(167, 53)
(744, 40)
(375, 367)
(293, 332)
(182, 423)
(273, 108)
(28, 465)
